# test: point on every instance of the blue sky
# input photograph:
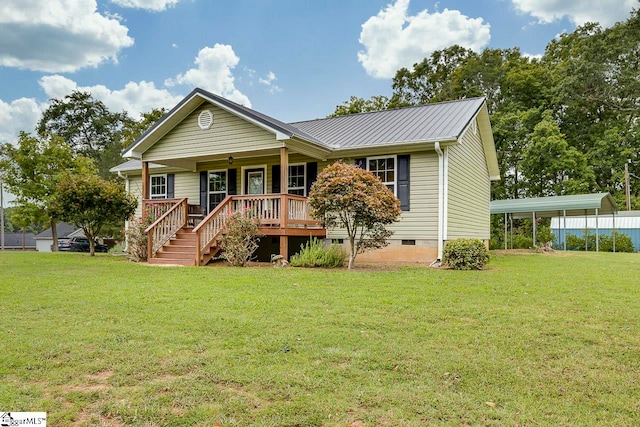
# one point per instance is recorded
(291, 59)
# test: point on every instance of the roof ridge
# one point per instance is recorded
(408, 107)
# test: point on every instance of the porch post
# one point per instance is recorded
(145, 180)
(284, 201)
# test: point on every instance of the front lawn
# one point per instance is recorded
(534, 340)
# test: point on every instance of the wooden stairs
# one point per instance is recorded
(181, 250)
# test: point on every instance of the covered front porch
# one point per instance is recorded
(182, 235)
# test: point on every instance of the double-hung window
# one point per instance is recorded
(385, 169)
(158, 186)
(217, 188)
(297, 181)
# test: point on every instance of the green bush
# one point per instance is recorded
(465, 254)
(240, 239)
(544, 235)
(315, 254)
(521, 241)
(623, 243)
(137, 240)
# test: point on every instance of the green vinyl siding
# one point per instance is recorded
(421, 222)
(228, 134)
(469, 189)
(135, 189)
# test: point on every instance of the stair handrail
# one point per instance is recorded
(165, 227)
(210, 227)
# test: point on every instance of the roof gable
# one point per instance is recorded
(194, 100)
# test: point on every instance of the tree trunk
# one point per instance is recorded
(92, 247)
(352, 252)
(54, 235)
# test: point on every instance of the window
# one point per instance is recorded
(385, 169)
(158, 186)
(297, 179)
(217, 188)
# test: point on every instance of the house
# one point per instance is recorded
(212, 155)
(44, 240)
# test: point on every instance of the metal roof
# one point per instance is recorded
(134, 165)
(443, 121)
(580, 204)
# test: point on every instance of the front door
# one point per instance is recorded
(254, 181)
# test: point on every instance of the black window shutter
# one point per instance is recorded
(204, 184)
(171, 180)
(361, 163)
(275, 179)
(403, 181)
(232, 182)
(312, 174)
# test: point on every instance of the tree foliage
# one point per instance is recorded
(563, 124)
(240, 239)
(32, 170)
(88, 127)
(352, 198)
(92, 203)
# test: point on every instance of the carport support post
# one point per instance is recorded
(564, 229)
(511, 230)
(586, 232)
(534, 229)
(597, 233)
(505, 231)
(613, 232)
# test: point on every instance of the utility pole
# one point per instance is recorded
(627, 189)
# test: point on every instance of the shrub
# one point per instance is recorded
(137, 241)
(465, 254)
(623, 243)
(240, 239)
(521, 241)
(544, 235)
(315, 254)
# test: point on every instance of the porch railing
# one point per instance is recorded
(268, 209)
(210, 227)
(167, 225)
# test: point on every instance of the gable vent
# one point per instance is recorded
(205, 119)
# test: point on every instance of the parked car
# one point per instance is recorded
(79, 244)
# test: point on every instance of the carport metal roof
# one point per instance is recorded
(580, 204)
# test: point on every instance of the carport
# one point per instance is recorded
(560, 206)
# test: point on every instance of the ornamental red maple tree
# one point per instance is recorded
(348, 197)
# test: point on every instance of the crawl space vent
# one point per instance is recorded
(205, 119)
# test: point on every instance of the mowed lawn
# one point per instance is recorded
(535, 340)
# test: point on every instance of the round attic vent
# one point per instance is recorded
(205, 119)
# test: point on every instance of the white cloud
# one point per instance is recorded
(152, 5)
(393, 39)
(269, 82)
(19, 115)
(58, 35)
(135, 98)
(213, 73)
(606, 12)
(531, 56)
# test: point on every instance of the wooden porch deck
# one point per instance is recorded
(173, 240)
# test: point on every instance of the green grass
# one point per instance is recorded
(535, 340)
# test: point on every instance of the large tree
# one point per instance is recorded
(92, 203)
(32, 170)
(88, 127)
(352, 198)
